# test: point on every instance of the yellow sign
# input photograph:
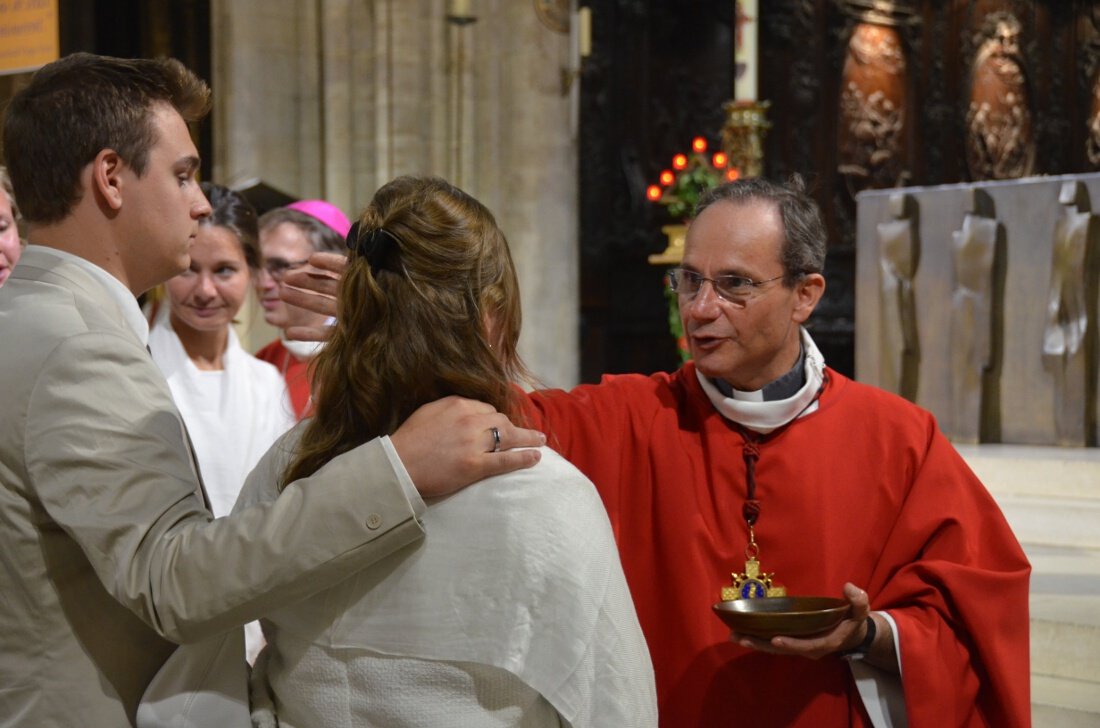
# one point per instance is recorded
(28, 34)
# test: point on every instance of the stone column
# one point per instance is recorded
(334, 98)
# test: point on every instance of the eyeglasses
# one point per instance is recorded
(277, 267)
(732, 288)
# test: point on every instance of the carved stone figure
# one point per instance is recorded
(899, 255)
(871, 133)
(973, 336)
(1067, 315)
(1000, 139)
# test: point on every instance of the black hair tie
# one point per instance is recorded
(375, 245)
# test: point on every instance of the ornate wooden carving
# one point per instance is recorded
(1090, 76)
(873, 108)
(660, 71)
(1000, 141)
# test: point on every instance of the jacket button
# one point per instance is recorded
(374, 521)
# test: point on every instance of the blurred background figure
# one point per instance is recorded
(288, 236)
(234, 405)
(11, 246)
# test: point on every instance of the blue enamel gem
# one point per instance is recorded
(752, 589)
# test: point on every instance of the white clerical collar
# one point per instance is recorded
(301, 350)
(123, 296)
(749, 408)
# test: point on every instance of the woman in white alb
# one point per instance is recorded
(234, 405)
(513, 611)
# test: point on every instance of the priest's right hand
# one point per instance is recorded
(314, 288)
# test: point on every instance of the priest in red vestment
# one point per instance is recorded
(856, 493)
(288, 237)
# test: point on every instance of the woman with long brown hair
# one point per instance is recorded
(514, 610)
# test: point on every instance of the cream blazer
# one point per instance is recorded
(109, 556)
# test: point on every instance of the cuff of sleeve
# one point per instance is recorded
(882, 693)
(411, 493)
(894, 633)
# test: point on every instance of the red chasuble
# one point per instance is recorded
(864, 489)
(294, 370)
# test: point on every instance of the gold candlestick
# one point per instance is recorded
(743, 135)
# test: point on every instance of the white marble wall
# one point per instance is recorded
(333, 98)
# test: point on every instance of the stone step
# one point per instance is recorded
(1062, 703)
(1065, 637)
(1050, 495)
(1051, 498)
(1055, 472)
(1049, 521)
(1065, 613)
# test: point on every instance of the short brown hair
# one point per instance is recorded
(80, 105)
(230, 210)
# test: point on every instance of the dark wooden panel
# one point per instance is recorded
(144, 29)
(661, 70)
(658, 75)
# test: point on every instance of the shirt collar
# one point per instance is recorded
(123, 296)
(301, 350)
(780, 388)
(764, 416)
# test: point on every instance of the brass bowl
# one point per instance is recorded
(768, 617)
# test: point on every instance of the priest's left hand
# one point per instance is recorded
(844, 636)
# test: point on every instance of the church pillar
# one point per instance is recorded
(335, 97)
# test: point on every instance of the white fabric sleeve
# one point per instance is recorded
(882, 693)
(415, 501)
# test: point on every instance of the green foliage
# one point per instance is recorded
(675, 324)
(691, 182)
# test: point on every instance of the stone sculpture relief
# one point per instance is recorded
(899, 255)
(871, 133)
(974, 337)
(1067, 314)
(999, 129)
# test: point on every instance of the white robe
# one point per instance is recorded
(233, 415)
(513, 611)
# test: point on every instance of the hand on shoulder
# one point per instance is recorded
(450, 443)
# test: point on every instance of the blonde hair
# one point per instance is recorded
(415, 320)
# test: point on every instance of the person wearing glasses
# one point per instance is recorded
(755, 466)
(234, 405)
(288, 236)
(514, 611)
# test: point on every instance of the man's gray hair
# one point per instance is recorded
(804, 241)
(323, 238)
